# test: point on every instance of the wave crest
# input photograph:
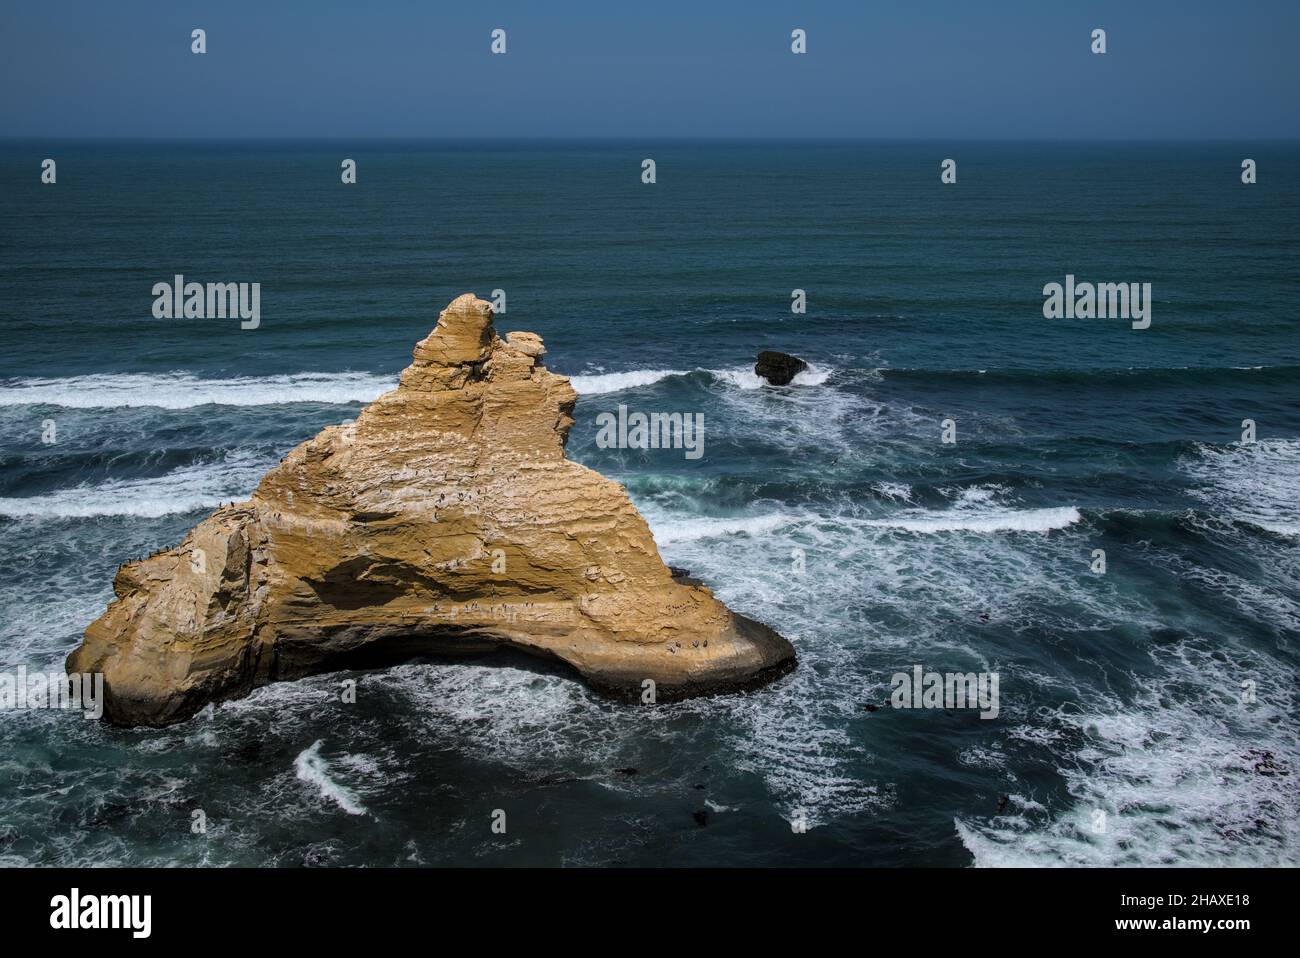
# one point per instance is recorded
(188, 489)
(183, 390)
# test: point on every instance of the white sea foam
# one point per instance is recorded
(1005, 520)
(894, 490)
(187, 489)
(742, 377)
(594, 385)
(313, 769)
(966, 497)
(682, 529)
(1182, 779)
(686, 529)
(869, 594)
(183, 390)
(866, 597)
(812, 376)
(537, 722)
(1255, 482)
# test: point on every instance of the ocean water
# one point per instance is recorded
(1120, 693)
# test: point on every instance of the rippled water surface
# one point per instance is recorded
(1120, 693)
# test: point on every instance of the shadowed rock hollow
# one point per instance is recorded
(444, 519)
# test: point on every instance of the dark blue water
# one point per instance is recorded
(1121, 693)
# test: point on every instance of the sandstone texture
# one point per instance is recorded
(445, 519)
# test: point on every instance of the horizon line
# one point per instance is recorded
(331, 138)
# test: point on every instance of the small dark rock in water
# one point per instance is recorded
(702, 817)
(698, 787)
(626, 771)
(1002, 803)
(871, 708)
(683, 576)
(778, 368)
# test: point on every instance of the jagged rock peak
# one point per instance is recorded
(444, 520)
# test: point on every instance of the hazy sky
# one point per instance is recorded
(652, 69)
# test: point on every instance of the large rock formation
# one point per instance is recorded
(444, 519)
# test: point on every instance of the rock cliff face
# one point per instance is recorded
(444, 519)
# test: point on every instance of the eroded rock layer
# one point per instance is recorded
(444, 519)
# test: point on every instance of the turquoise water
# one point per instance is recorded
(1120, 692)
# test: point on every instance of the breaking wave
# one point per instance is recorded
(190, 488)
(667, 531)
(742, 377)
(182, 390)
(313, 769)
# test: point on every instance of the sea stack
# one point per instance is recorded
(778, 368)
(445, 519)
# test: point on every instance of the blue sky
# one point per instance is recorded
(887, 69)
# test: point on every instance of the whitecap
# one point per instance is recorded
(1254, 482)
(313, 768)
(1009, 520)
(183, 390)
(596, 384)
(742, 377)
(1167, 777)
(685, 530)
(894, 490)
(187, 489)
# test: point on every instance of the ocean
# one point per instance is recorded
(1148, 713)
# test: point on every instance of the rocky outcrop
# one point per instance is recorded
(778, 368)
(445, 519)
